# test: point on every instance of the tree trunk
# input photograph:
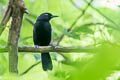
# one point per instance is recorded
(14, 33)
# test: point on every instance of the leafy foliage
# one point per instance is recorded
(93, 29)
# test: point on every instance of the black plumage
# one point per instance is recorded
(42, 37)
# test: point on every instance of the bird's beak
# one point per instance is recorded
(54, 16)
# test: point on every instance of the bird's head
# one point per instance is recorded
(46, 16)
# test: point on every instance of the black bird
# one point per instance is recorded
(42, 37)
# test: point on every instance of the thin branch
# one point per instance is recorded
(77, 7)
(32, 66)
(68, 62)
(98, 11)
(30, 21)
(5, 18)
(73, 24)
(94, 24)
(44, 49)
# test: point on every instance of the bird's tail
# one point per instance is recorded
(46, 61)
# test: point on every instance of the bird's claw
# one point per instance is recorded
(36, 46)
(52, 46)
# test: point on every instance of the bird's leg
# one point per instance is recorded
(36, 46)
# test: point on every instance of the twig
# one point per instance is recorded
(76, 20)
(30, 21)
(98, 11)
(77, 7)
(35, 64)
(32, 66)
(94, 24)
(5, 18)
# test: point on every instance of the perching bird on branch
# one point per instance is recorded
(42, 37)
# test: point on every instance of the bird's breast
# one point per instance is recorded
(42, 33)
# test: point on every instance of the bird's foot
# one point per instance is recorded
(36, 46)
(52, 46)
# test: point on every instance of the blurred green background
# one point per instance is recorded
(98, 27)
